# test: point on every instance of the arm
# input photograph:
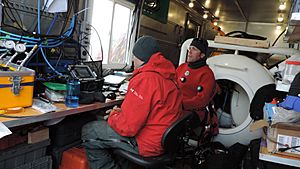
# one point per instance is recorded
(135, 108)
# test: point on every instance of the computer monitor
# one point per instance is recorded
(81, 72)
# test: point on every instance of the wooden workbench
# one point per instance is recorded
(36, 116)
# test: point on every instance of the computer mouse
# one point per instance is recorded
(111, 96)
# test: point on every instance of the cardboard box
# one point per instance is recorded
(242, 41)
(38, 136)
(285, 134)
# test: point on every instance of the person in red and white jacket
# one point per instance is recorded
(152, 103)
(197, 81)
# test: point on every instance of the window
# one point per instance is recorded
(112, 21)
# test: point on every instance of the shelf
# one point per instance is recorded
(277, 158)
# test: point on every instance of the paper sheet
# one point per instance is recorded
(42, 106)
(4, 131)
(113, 79)
(54, 6)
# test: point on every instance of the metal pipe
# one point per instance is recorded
(246, 27)
(241, 10)
(271, 50)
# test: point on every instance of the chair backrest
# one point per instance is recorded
(173, 136)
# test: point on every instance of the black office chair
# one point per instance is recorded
(173, 139)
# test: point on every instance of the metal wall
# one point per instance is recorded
(172, 34)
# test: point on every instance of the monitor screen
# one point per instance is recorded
(83, 72)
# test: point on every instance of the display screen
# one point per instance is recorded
(83, 72)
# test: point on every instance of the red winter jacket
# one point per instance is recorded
(153, 102)
(189, 81)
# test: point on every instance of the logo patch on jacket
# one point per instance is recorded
(136, 94)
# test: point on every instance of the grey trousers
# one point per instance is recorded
(99, 139)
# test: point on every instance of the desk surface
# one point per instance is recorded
(36, 116)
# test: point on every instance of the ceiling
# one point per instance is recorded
(265, 11)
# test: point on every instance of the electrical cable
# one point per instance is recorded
(276, 64)
(70, 4)
(70, 30)
(44, 7)
(60, 56)
(19, 26)
(99, 72)
(67, 33)
(278, 37)
(34, 40)
(48, 42)
(41, 46)
(94, 62)
(288, 148)
(44, 43)
(101, 48)
(52, 23)
(81, 11)
(48, 63)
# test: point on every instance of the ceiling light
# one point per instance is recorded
(282, 7)
(206, 4)
(217, 13)
(278, 27)
(191, 4)
(205, 15)
(280, 18)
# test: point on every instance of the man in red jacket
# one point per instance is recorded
(152, 103)
(197, 81)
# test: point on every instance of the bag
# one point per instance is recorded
(216, 156)
(264, 95)
(295, 86)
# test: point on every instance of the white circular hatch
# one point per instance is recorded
(239, 78)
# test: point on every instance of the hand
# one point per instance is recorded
(108, 112)
(116, 108)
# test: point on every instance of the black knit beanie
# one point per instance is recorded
(145, 47)
(201, 44)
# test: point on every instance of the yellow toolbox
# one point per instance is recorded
(16, 86)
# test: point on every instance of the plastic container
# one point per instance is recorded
(269, 110)
(292, 67)
(56, 92)
(57, 153)
(72, 93)
(42, 163)
(22, 154)
(74, 158)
